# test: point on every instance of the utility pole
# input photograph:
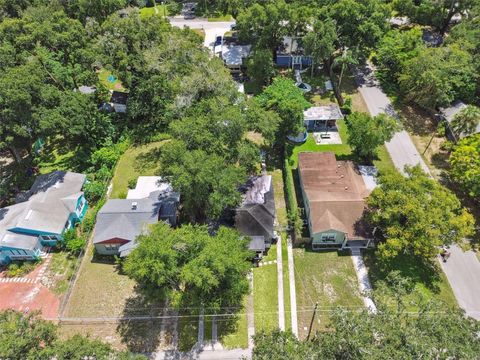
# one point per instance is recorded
(311, 321)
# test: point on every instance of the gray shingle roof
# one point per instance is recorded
(50, 201)
(119, 218)
(256, 216)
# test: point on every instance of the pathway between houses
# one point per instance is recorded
(291, 282)
(281, 303)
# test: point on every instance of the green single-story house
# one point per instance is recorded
(334, 194)
(53, 205)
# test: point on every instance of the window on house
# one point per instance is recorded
(112, 246)
(328, 237)
(80, 205)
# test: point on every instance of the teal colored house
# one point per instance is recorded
(54, 204)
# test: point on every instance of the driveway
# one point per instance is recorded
(401, 148)
(212, 29)
(463, 273)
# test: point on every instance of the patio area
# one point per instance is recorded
(330, 136)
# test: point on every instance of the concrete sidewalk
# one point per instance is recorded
(463, 273)
(281, 302)
(291, 283)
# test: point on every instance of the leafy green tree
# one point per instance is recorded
(191, 267)
(264, 25)
(438, 76)
(260, 120)
(466, 121)
(260, 66)
(465, 165)
(27, 336)
(24, 336)
(208, 184)
(288, 101)
(394, 50)
(390, 333)
(345, 32)
(97, 9)
(431, 12)
(214, 126)
(367, 133)
(416, 215)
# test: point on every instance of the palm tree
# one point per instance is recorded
(466, 121)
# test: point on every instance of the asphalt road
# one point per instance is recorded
(463, 273)
(401, 148)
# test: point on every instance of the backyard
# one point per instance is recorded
(140, 160)
(328, 278)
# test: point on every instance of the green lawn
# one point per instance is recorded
(265, 297)
(140, 160)
(286, 281)
(233, 333)
(161, 10)
(217, 18)
(103, 75)
(199, 32)
(429, 282)
(341, 150)
(328, 278)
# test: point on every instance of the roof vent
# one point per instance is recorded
(134, 205)
(342, 176)
(346, 187)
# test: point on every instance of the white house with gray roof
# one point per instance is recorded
(41, 215)
(120, 221)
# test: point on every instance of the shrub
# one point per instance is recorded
(94, 190)
(18, 269)
(347, 106)
(72, 243)
(132, 183)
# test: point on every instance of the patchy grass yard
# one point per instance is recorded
(140, 160)
(103, 76)
(429, 282)
(60, 271)
(100, 291)
(286, 282)
(199, 32)
(265, 297)
(327, 278)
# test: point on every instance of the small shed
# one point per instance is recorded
(323, 117)
(449, 114)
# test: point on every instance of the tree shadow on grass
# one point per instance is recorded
(147, 159)
(141, 328)
(412, 268)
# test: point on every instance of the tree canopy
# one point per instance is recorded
(390, 333)
(367, 133)
(415, 215)
(465, 165)
(466, 121)
(27, 336)
(191, 267)
(288, 102)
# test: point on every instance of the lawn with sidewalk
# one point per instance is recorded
(265, 295)
(429, 282)
(139, 160)
(326, 277)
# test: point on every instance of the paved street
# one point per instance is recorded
(235, 354)
(401, 148)
(463, 273)
(212, 29)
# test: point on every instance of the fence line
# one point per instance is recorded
(81, 255)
